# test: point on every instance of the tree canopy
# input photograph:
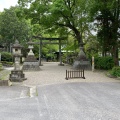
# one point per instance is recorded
(75, 19)
(106, 14)
(56, 15)
(11, 27)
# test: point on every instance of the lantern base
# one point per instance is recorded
(17, 76)
(31, 64)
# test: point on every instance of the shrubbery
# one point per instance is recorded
(115, 71)
(104, 63)
(1, 67)
(6, 56)
(8, 64)
(6, 59)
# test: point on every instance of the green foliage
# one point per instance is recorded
(8, 64)
(104, 63)
(58, 15)
(72, 16)
(11, 27)
(1, 66)
(106, 16)
(92, 47)
(115, 71)
(48, 50)
(6, 56)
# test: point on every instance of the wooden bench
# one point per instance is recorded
(74, 74)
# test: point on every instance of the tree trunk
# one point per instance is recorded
(77, 34)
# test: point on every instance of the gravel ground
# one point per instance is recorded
(51, 73)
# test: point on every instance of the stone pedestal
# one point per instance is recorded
(31, 64)
(17, 76)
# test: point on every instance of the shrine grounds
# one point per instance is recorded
(47, 95)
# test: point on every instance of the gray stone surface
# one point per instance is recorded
(67, 101)
(21, 109)
(80, 101)
(95, 98)
(13, 92)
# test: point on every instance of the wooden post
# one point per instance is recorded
(66, 75)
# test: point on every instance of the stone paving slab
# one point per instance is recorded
(79, 101)
(13, 92)
(19, 109)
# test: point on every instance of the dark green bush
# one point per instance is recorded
(104, 63)
(1, 67)
(115, 71)
(6, 56)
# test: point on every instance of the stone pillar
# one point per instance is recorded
(17, 63)
(60, 55)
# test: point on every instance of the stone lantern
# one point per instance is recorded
(31, 63)
(30, 47)
(81, 61)
(17, 74)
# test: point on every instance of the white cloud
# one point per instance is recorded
(7, 4)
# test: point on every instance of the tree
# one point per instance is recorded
(53, 15)
(92, 47)
(106, 14)
(11, 27)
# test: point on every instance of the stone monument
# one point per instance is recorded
(31, 63)
(81, 62)
(17, 74)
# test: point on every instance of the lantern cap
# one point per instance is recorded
(17, 45)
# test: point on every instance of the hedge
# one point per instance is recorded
(115, 71)
(6, 56)
(104, 63)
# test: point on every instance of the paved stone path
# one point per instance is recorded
(46, 95)
(51, 73)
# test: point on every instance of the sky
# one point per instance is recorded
(7, 4)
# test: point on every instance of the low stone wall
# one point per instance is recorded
(5, 83)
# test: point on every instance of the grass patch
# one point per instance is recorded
(4, 74)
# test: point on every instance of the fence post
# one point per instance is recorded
(83, 75)
(66, 75)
